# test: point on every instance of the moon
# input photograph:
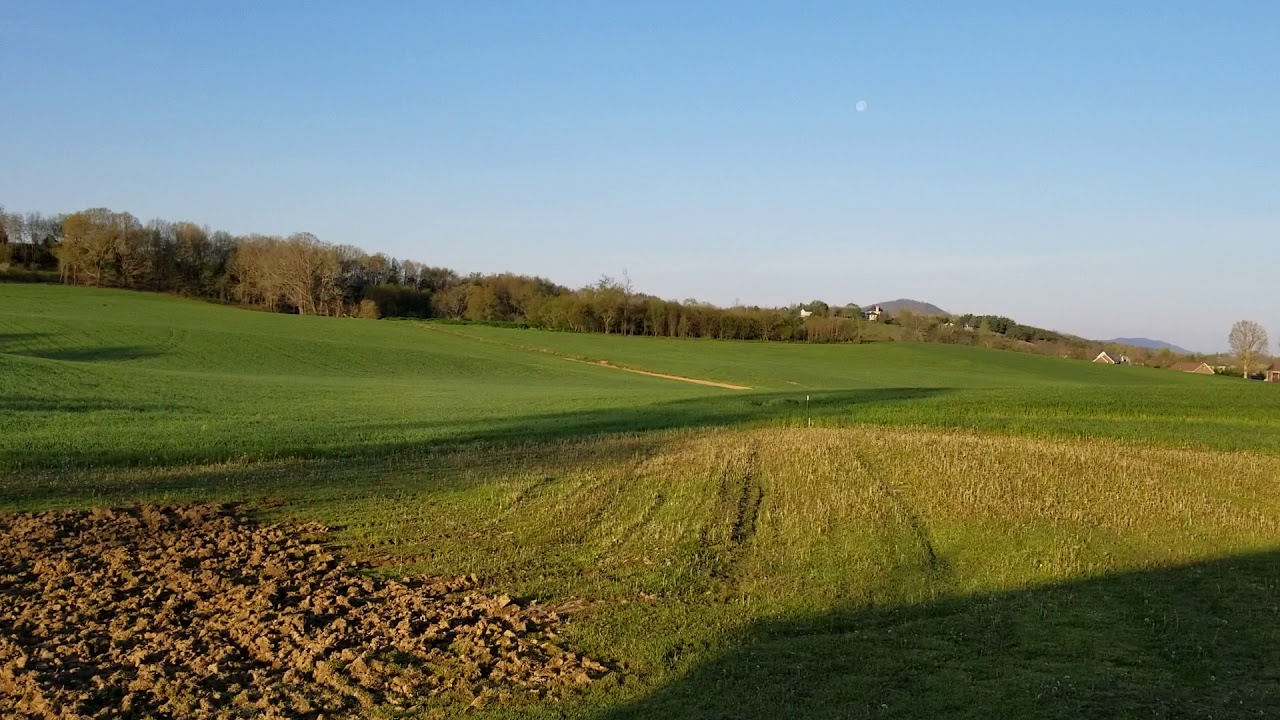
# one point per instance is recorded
(861, 106)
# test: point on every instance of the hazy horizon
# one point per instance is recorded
(1103, 171)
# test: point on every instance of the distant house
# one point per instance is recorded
(1107, 358)
(873, 313)
(1192, 366)
(1273, 372)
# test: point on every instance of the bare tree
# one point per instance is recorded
(607, 298)
(451, 302)
(1248, 341)
(100, 246)
(628, 291)
(254, 269)
(14, 227)
(308, 271)
(133, 259)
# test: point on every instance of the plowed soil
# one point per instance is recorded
(198, 611)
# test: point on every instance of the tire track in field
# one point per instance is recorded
(726, 537)
(899, 513)
(594, 501)
(528, 493)
(646, 517)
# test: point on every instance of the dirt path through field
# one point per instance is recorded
(665, 376)
(597, 363)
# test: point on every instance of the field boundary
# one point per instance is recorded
(585, 361)
(651, 373)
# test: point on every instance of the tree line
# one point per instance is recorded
(299, 273)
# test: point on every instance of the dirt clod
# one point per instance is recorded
(198, 611)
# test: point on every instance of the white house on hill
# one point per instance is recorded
(1107, 358)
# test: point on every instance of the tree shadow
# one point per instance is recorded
(19, 344)
(419, 470)
(92, 354)
(34, 404)
(10, 340)
(1200, 640)
(731, 410)
(721, 410)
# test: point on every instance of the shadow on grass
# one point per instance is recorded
(1201, 640)
(11, 342)
(17, 344)
(712, 411)
(93, 354)
(745, 409)
(31, 403)
(311, 480)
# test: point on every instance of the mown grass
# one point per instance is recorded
(962, 533)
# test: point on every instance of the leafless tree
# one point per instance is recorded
(1248, 341)
(14, 227)
(100, 246)
(451, 302)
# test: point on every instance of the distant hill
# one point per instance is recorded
(1147, 343)
(915, 306)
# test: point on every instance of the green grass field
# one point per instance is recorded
(961, 532)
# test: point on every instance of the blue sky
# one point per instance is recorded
(1105, 168)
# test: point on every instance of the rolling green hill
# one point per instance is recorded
(100, 377)
(786, 366)
(962, 529)
(95, 377)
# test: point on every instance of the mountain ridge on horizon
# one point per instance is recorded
(1149, 344)
(915, 306)
(926, 308)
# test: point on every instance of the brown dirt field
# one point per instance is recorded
(650, 373)
(198, 611)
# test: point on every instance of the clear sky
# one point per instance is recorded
(1100, 168)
